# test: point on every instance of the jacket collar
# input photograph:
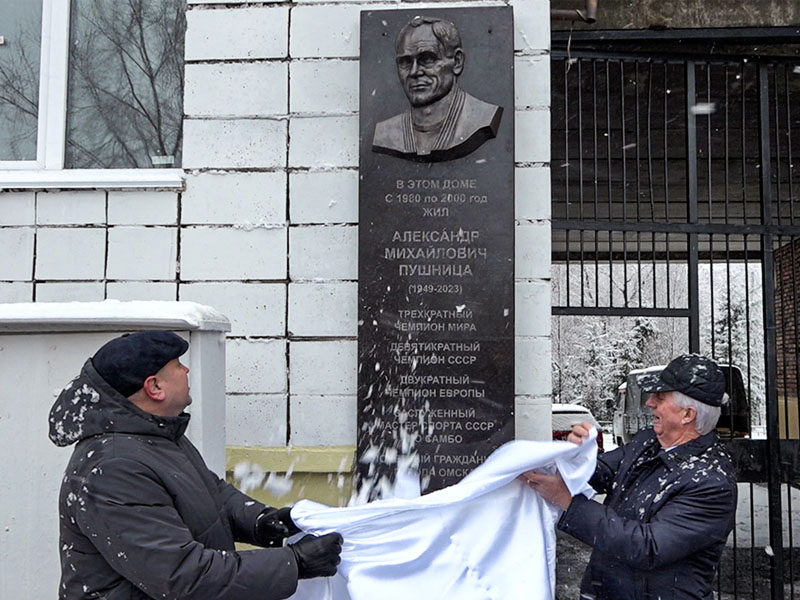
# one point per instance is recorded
(684, 452)
(650, 449)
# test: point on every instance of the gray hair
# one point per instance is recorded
(707, 415)
(444, 31)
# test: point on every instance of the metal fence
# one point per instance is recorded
(675, 196)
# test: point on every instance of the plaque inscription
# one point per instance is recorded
(436, 242)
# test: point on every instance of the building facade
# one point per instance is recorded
(254, 211)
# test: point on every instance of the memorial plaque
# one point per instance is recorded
(436, 242)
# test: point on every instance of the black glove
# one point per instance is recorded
(272, 525)
(317, 556)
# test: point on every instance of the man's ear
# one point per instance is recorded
(458, 57)
(691, 414)
(152, 388)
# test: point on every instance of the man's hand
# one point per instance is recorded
(272, 525)
(550, 487)
(317, 556)
(579, 432)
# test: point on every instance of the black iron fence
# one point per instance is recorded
(676, 199)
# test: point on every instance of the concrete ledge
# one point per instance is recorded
(109, 315)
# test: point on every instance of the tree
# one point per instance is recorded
(593, 355)
(734, 328)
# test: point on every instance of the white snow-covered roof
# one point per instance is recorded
(567, 415)
(110, 315)
(570, 408)
(647, 370)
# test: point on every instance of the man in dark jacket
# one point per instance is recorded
(141, 514)
(670, 495)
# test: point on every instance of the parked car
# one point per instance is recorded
(567, 415)
(631, 414)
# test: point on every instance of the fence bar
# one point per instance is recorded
(727, 150)
(581, 215)
(637, 179)
(637, 155)
(786, 394)
(565, 166)
(666, 144)
(708, 144)
(691, 190)
(744, 145)
(789, 156)
(596, 188)
(779, 203)
(794, 275)
(623, 144)
(715, 228)
(770, 346)
(748, 345)
(666, 179)
(618, 311)
(608, 140)
(712, 299)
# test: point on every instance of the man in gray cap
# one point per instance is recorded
(670, 494)
(141, 514)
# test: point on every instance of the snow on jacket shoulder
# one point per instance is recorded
(141, 514)
(663, 526)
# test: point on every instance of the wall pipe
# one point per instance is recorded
(588, 15)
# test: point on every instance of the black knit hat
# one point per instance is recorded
(696, 376)
(125, 362)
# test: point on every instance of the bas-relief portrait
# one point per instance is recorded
(444, 122)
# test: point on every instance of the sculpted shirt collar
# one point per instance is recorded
(445, 137)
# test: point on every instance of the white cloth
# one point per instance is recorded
(489, 537)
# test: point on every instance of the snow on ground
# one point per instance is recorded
(758, 535)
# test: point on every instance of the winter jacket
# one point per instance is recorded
(141, 514)
(663, 526)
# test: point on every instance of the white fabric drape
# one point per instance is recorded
(489, 537)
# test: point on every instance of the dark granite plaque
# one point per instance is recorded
(436, 241)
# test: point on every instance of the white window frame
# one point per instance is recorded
(47, 170)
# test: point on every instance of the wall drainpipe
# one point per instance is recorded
(588, 15)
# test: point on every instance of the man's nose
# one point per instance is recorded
(416, 69)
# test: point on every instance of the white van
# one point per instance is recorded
(631, 415)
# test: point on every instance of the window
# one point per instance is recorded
(20, 59)
(90, 84)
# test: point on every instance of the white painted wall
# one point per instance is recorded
(266, 228)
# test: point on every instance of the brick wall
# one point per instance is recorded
(266, 228)
(787, 307)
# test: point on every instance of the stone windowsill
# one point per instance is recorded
(106, 179)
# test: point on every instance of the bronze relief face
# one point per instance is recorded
(427, 69)
(443, 122)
